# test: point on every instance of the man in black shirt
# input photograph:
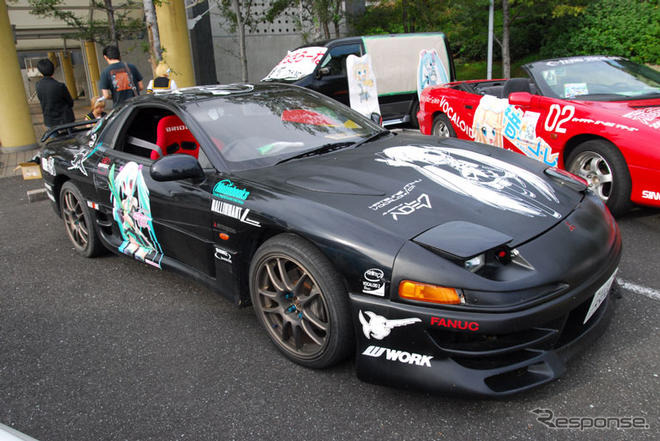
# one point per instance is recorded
(54, 97)
(119, 80)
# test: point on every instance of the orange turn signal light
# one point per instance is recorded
(429, 293)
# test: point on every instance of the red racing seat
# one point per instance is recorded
(172, 136)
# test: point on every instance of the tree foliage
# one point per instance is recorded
(629, 28)
(120, 22)
(550, 27)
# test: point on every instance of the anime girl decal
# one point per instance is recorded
(430, 70)
(487, 124)
(488, 180)
(362, 89)
(132, 212)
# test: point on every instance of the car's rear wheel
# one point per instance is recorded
(78, 221)
(300, 300)
(603, 167)
(442, 127)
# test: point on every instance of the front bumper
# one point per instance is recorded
(489, 350)
(481, 354)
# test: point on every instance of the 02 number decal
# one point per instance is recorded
(552, 121)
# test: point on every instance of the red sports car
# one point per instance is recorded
(598, 117)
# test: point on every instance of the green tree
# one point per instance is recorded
(629, 28)
(120, 20)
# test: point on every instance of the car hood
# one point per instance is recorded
(410, 184)
(634, 112)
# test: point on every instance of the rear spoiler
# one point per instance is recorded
(68, 129)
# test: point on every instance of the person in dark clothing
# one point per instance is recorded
(98, 108)
(54, 97)
(119, 81)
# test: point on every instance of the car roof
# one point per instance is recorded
(183, 96)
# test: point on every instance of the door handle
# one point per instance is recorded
(467, 106)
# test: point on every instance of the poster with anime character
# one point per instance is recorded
(362, 89)
(488, 120)
(132, 212)
(430, 70)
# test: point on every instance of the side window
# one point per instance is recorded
(155, 132)
(336, 58)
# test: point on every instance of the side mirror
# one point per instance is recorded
(322, 72)
(521, 98)
(375, 117)
(176, 167)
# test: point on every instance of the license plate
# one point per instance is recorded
(600, 296)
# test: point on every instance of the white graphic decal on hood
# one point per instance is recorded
(486, 179)
(379, 327)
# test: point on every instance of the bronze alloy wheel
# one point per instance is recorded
(292, 306)
(74, 220)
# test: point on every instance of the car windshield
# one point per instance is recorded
(297, 64)
(269, 126)
(596, 78)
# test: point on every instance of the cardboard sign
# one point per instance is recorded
(362, 90)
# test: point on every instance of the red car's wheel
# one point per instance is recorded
(606, 172)
(442, 127)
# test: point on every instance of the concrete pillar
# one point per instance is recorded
(93, 63)
(67, 70)
(16, 131)
(173, 28)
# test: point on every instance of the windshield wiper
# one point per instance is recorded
(320, 150)
(372, 138)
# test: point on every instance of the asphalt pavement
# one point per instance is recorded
(111, 349)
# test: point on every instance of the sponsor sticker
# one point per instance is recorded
(398, 356)
(223, 255)
(407, 208)
(405, 191)
(454, 324)
(48, 165)
(378, 327)
(226, 189)
(374, 282)
(229, 210)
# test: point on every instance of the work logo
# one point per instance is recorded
(226, 189)
(399, 356)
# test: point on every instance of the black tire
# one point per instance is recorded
(414, 122)
(603, 166)
(442, 127)
(79, 222)
(295, 311)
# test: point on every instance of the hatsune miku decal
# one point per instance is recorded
(480, 177)
(430, 70)
(132, 212)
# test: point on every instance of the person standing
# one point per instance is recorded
(54, 97)
(162, 83)
(119, 80)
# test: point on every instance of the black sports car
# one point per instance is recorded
(445, 265)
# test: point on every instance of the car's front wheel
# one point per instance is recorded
(603, 167)
(78, 221)
(301, 302)
(442, 127)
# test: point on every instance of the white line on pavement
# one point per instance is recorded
(643, 290)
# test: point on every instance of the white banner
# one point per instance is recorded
(362, 90)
